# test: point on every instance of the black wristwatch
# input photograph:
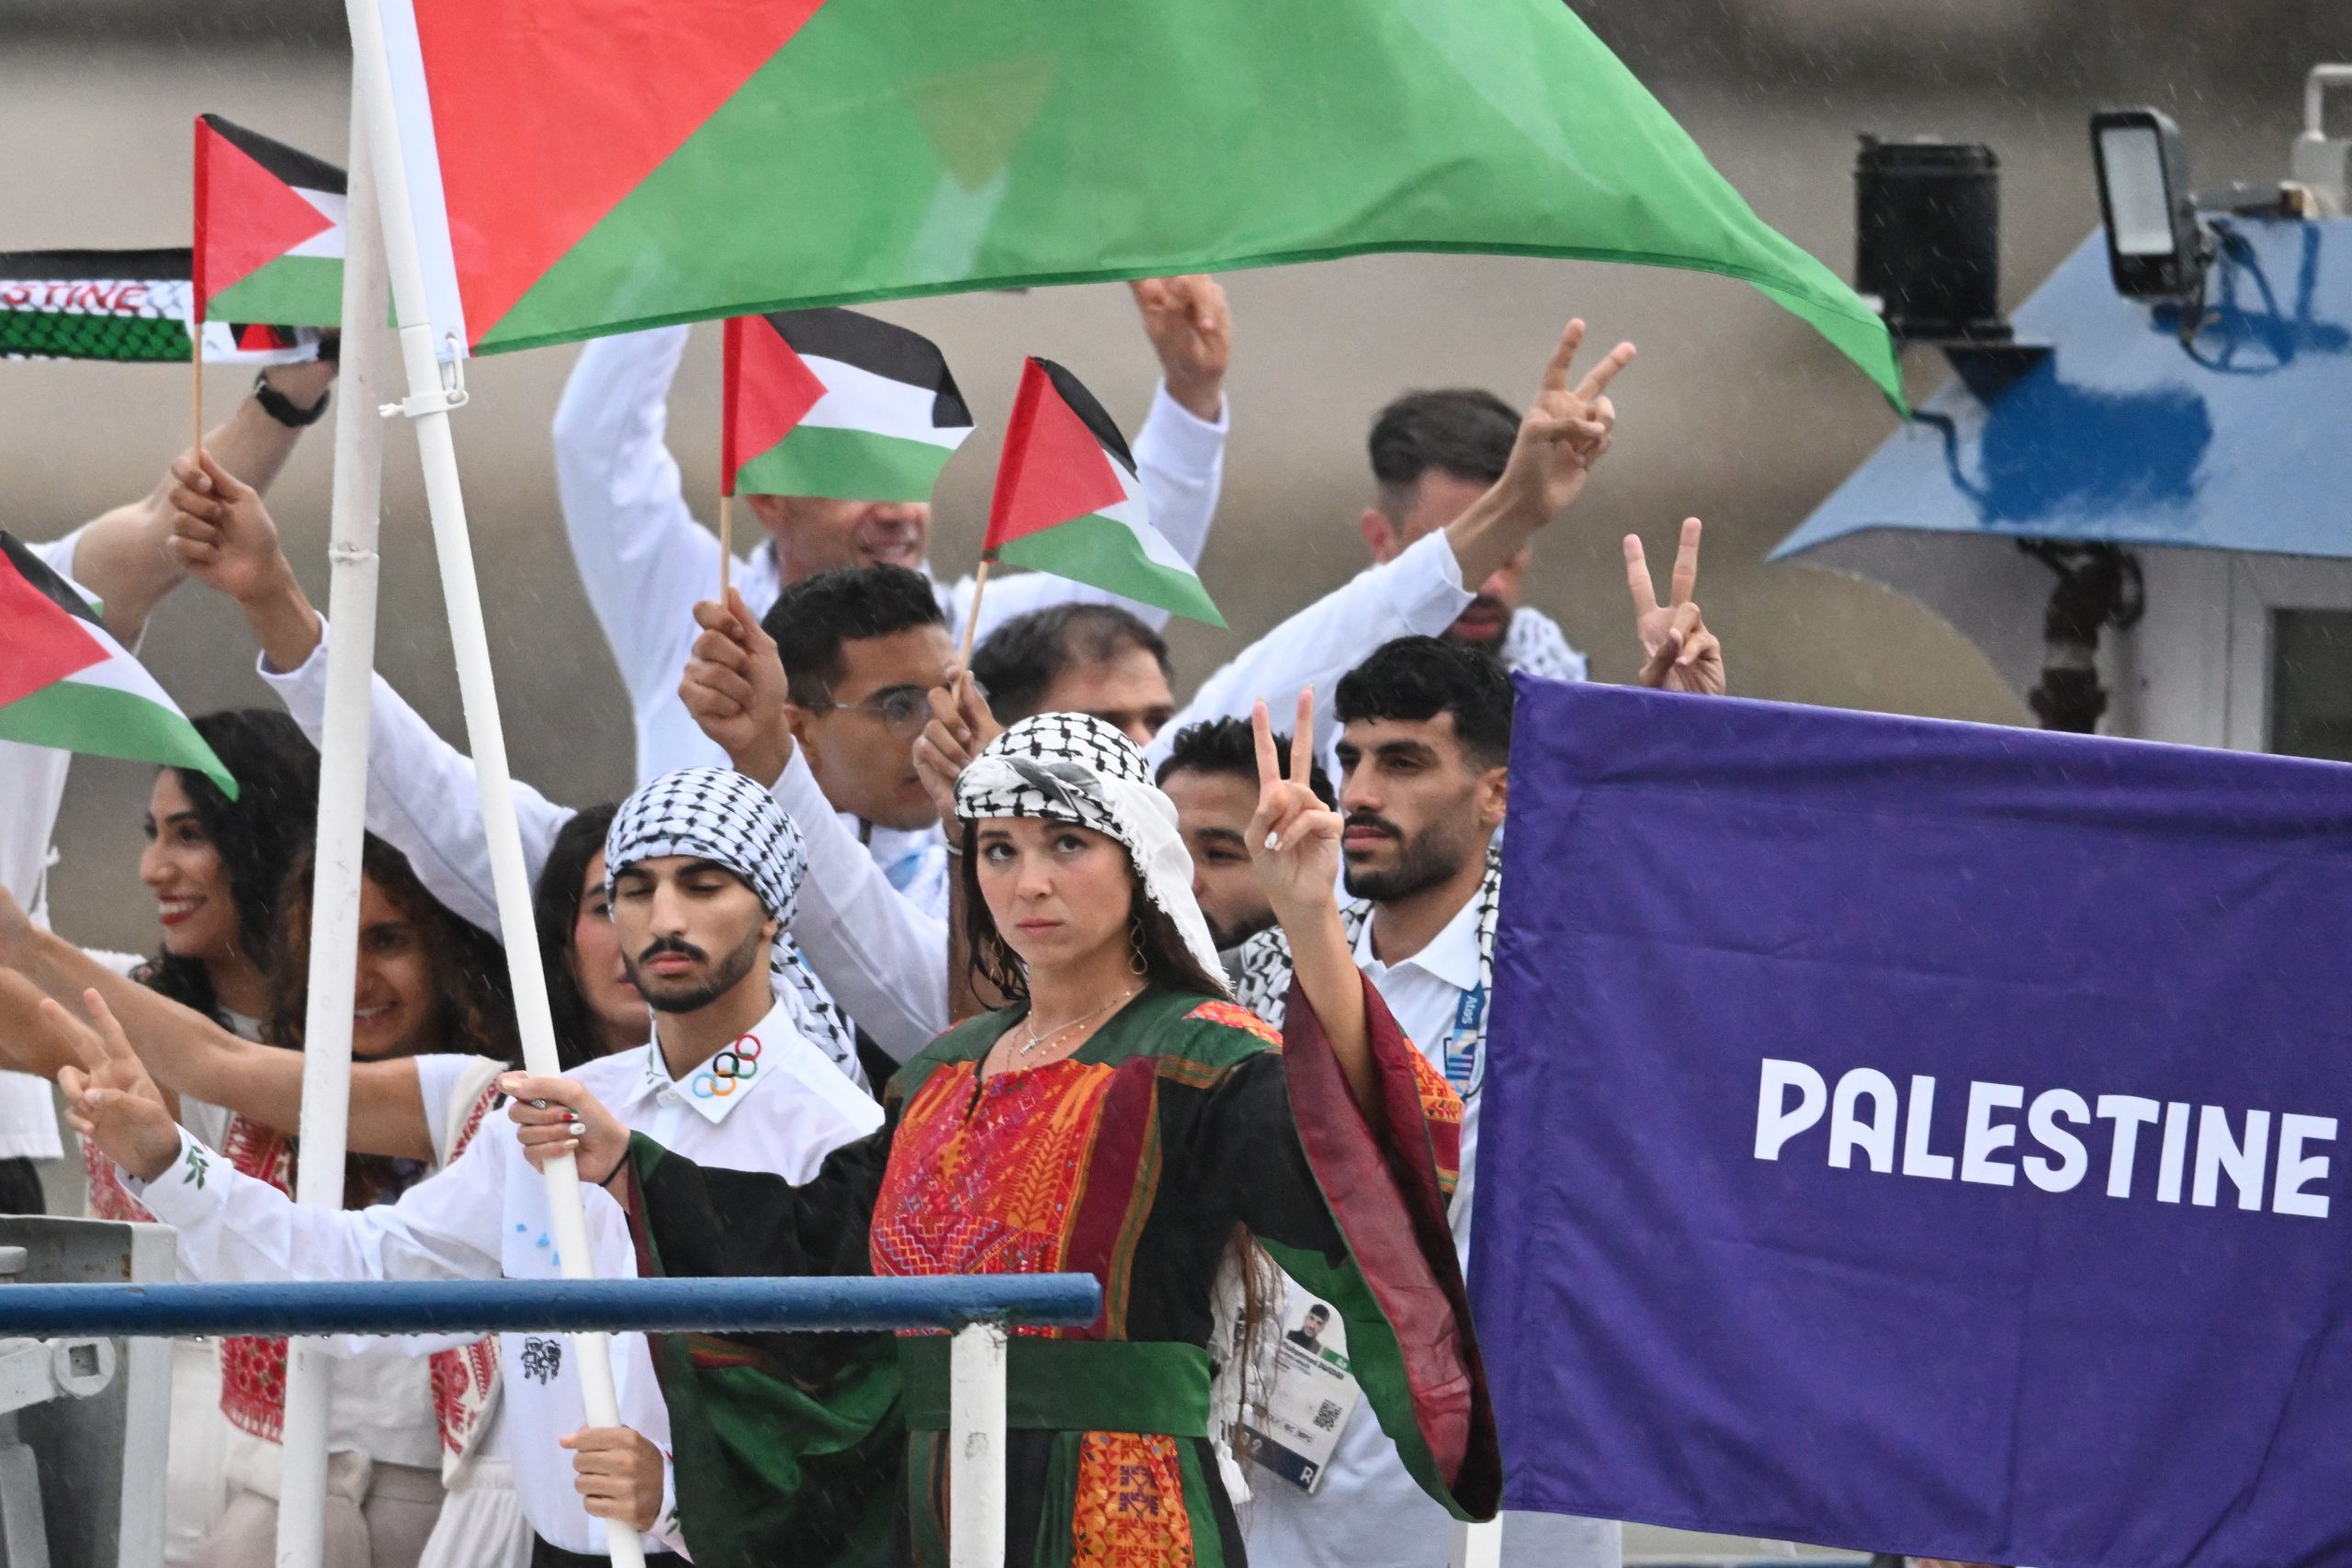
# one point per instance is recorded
(279, 407)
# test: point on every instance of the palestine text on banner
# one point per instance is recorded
(1921, 1137)
(269, 222)
(935, 149)
(829, 402)
(1068, 501)
(126, 306)
(64, 681)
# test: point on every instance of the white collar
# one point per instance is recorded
(1452, 955)
(715, 1088)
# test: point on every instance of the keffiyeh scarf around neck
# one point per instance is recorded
(1072, 767)
(718, 815)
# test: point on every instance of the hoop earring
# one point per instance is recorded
(1137, 963)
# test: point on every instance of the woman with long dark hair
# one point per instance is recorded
(1120, 1117)
(216, 866)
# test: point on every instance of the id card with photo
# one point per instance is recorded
(1312, 1397)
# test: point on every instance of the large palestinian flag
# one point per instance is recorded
(833, 403)
(1067, 501)
(268, 230)
(586, 166)
(124, 305)
(64, 681)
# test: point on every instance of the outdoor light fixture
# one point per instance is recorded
(2155, 248)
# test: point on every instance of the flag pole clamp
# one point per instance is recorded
(451, 396)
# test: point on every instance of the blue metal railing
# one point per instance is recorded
(570, 1307)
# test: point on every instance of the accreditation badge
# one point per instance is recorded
(1313, 1394)
(1466, 1041)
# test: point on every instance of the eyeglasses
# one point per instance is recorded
(903, 710)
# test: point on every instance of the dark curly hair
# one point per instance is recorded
(1167, 961)
(470, 979)
(257, 835)
(474, 1001)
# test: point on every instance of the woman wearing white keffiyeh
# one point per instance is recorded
(1120, 1117)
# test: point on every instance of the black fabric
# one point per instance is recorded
(20, 1191)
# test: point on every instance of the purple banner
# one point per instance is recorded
(1921, 1137)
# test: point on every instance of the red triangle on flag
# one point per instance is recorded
(769, 390)
(546, 122)
(245, 217)
(42, 644)
(1053, 468)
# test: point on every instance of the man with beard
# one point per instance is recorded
(1212, 775)
(1423, 784)
(702, 869)
(1433, 455)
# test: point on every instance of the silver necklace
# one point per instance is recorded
(1036, 1039)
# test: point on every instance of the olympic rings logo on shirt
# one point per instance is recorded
(737, 1063)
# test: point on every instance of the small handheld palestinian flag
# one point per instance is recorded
(64, 681)
(126, 306)
(1067, 501)
(833, 403)
(268, 230)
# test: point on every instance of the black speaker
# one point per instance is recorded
(1927, 236)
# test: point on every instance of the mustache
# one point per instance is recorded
(678, 945)
(1373, 821)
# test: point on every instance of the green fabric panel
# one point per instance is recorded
(1081, 1385)
(106, 721)
(1015, 145)
(845, 465)
(292, 291)
(1374, 1358)
(1057, 1544)
(772, 1462)
(1104, 553)
(1208, 1545)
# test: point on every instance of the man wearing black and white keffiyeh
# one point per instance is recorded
(717, 816)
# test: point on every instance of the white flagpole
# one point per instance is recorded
(343, 798)
(427, 407)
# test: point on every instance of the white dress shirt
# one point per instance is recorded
(32, 787)
(1418, 592)
(423, 799)
(486, 1216)
(645, 562)
(1369, 1512)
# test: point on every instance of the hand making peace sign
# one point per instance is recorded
(109, 1099)
(1293, 838)
(1565, 430)
(1678, 653)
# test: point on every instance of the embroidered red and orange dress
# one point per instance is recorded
(1132, 1161)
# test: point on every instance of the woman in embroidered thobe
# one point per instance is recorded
(1119, 1119)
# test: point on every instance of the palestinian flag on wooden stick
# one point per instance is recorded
(576, 167)
(833, 403)
(1067, 501)
(64, 681)
(268, 230)
(126, 306)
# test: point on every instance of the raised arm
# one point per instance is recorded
(1179, 450)
(422, 799)
(1421, 590)
(124, 557)
(186, 1052)
(878, 951)
(1294, 846)
(642, 558)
